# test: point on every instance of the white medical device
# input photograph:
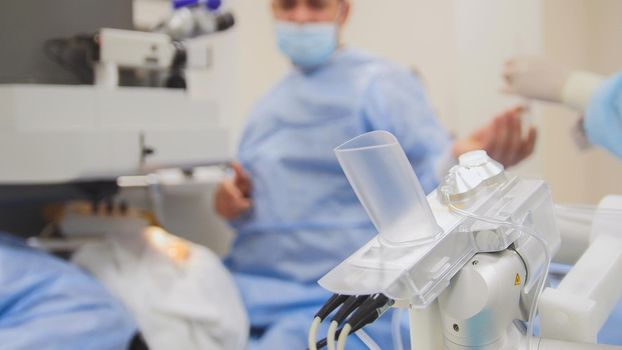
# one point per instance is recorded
(470, 260)
(64, 142)
(64, 133)
(56, 140)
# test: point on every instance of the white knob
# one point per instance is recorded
(474, 158)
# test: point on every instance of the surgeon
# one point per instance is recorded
(295, 213)
(597, 97)
(46, 303)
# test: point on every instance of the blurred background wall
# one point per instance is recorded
(459, 47)
(586, 34)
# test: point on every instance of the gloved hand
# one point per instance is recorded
(535, 77)
(539, 78)
(501, 138)
(232, 196)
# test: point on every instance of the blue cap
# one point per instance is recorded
(213, 5)
(177, 4)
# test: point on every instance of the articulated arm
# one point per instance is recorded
(580, 305)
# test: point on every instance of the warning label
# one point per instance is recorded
(517, 280)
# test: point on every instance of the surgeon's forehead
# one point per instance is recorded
(286, 4)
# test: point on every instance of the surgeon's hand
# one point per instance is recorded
(232, 197)
(535, 77)
(502, 138)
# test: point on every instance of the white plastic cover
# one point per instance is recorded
(418, 272)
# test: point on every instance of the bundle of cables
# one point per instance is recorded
(354, 312)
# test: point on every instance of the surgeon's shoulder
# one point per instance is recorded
(378, 70)
(273, 97)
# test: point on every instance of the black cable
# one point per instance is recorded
(367, 307)
(370, 313)
(363, 309)
(322, 343)
(371, 309)
(351, 304)
(331, 305)
(348, 305)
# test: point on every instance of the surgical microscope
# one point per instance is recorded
(73, 124)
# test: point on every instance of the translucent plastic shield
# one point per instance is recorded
(386, 184)
(422, 243)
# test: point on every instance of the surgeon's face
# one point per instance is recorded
(310, 11)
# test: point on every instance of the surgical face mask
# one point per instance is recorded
(307, 45)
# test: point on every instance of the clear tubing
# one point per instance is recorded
(387, 186)
(396, 329)
(367, 340)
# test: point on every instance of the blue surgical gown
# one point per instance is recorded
(603, 127)
(603, 118)
(45, 303)
(306, 218)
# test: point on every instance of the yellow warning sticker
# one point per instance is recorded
(517, 280)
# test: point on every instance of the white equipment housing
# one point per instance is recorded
(580, 305)
(64, 133)
(52, 134)
(471, 285)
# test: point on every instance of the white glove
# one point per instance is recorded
(535, 77)
(540, 78)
